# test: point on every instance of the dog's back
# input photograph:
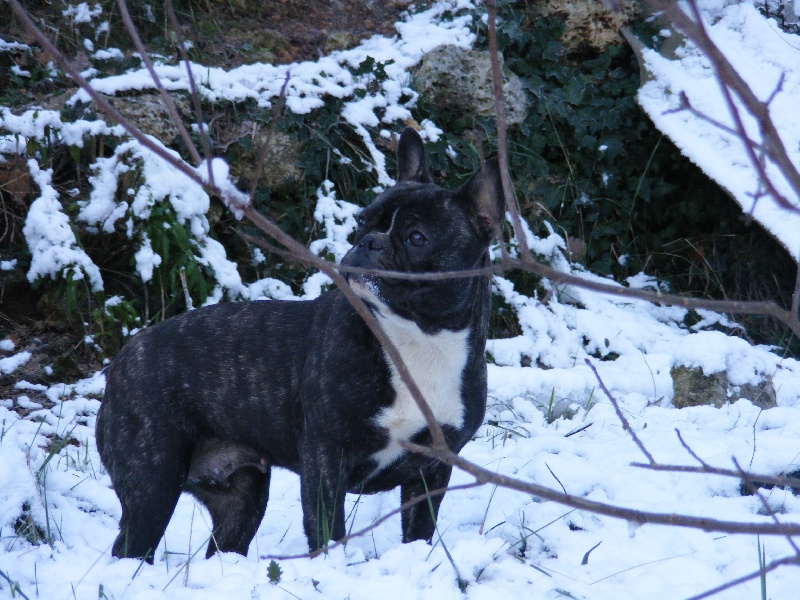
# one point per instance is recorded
(214, 370)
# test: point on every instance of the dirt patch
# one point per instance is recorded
(225, 33)
(237, 31)
(56, 355)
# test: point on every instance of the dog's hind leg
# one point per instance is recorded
(148, 500)
(237, 507)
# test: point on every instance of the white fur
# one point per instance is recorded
(436, 363)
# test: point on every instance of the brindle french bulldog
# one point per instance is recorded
(208, 401)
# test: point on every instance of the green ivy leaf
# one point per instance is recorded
(274, 572)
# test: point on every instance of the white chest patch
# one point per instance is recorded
(436, 363)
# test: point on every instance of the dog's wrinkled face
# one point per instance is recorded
(418, 227)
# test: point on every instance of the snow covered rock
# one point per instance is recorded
(694, 388)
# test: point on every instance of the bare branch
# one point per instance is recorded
(267, 226)
(628, 514)
(102, 103)
(170, 103)
(502, 145)
(747, 480)
(198, 108)
(759, 479)
(612, 289)
(625, 425)
(789, 560)
(796, 294)
(261, 155)
(688, 449)
(687, 105)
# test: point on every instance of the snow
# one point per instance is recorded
(767, 59)
(338, 218)
(547, 420)
(52, 242)
(10, 364)
(146, 260)
(82, 13)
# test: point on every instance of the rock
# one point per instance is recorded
(280, 161)
(15, 180)
(588, 23)
(461, 80)
(762, 395)
(691, 387)
(149, 113)
(267, 45)
(338, 40)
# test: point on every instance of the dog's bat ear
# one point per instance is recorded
(483, 196)
(411, 158)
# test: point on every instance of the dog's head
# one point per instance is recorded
(419, 227)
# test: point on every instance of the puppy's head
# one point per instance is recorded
(419, 227)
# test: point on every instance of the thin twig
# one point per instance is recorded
(686, 105)
(261, 155)
(747, 480)
(730, 79)
(625, 424)
(170, 103)
(198, 107)
(612, 289)
(555, 477)
(759, 478)
(102, 103)
(688, 449)
(628, 514)
(509, 197)
(789, 560)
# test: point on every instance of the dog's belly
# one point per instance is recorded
(436, 363)
(405, 469)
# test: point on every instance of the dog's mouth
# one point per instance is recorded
(365, 287)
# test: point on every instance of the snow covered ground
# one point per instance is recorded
(504, 544)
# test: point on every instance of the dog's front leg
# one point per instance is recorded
(322, 490)
(419, 521)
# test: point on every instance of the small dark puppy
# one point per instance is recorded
(208, 401)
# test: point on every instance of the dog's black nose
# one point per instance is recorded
(372, 242)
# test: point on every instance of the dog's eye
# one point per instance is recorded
(361, 220)
(416, 238)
